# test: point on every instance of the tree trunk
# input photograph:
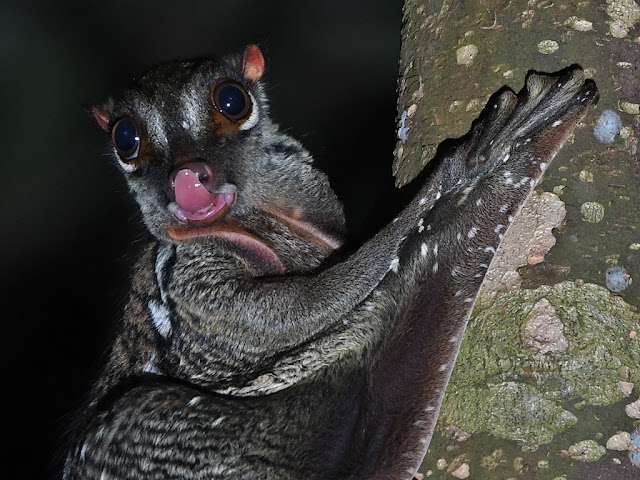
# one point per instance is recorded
(551, 356)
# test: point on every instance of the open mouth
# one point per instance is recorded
(199, 207)
(201, 203)
(198, 200)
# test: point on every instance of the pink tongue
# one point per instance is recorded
(191, 195)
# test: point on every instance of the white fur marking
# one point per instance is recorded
(150, 366)
(472, 232)
(83, 451)
(155, 125)
(394, 265)
(164, 254)
(161, 317)
(218, 421)
(127, 167)
(522, 182)
(194, 115)
(254, 117)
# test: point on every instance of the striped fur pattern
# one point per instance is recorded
(250, 347)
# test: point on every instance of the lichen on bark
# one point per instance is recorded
(454, 56)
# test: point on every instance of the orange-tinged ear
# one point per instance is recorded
(101, 117)
(252, 63)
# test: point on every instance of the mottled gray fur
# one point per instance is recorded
(334, 368)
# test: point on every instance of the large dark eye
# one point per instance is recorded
(126, 138)
(231, 100)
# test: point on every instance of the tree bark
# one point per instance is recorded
(454, 56)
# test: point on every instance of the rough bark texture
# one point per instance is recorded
(454, 56)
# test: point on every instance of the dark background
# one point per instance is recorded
(69, 230)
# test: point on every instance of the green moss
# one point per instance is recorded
(511, 391)
(493, 461)
(510, 410)
(587, 451)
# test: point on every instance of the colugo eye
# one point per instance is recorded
(231, 99)
(126, 138)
